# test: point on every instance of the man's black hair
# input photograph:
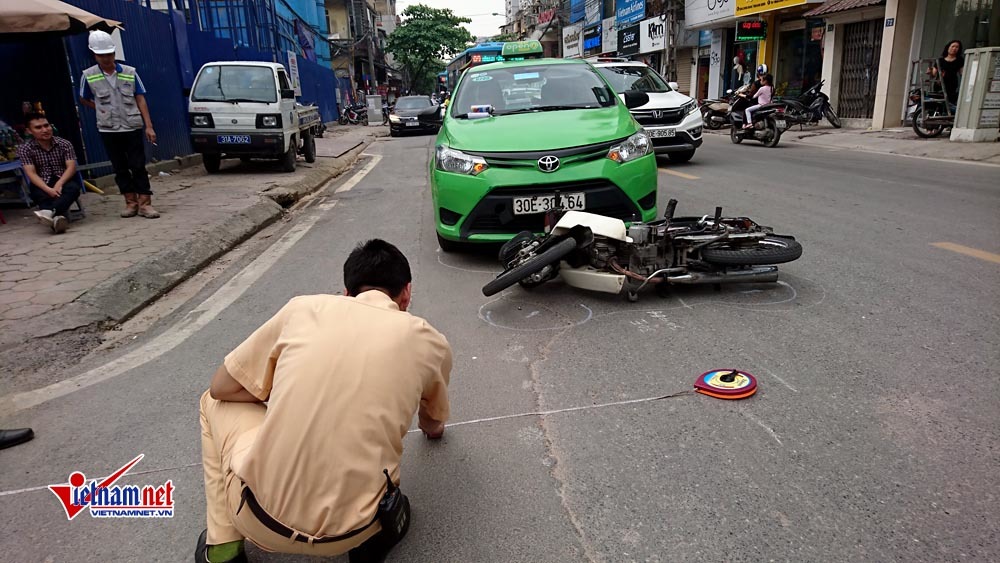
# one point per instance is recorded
(33, 116)
(376, 263)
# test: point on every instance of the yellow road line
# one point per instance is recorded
(974, 252)
(681, 175)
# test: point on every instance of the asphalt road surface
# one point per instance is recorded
(873, 437)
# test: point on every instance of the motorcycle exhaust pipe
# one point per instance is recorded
(767, 274)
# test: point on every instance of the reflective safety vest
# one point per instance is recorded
(115, 105)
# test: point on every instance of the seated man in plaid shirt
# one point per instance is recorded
(50, 163)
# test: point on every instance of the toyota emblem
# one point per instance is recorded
(657, 114)
(548, 163)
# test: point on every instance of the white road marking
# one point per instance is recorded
(783, 382)
(194, 321)
(353, 180)
(765, 427)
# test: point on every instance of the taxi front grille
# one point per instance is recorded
(495, 213)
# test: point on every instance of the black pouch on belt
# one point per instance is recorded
(393, 511)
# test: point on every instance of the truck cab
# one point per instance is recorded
(247, 109)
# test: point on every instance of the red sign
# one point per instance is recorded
(546, 16)
(477, 58)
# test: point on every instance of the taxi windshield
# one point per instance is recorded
(641, 78)
(535, 88)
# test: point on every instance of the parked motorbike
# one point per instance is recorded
(604, 254)
(354, 114)
(715, 112)
(768, 122)
(810, 107)
(929, 113)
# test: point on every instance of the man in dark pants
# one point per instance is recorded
(116, 92)
(50, 164)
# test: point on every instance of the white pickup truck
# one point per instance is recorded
(247, 109)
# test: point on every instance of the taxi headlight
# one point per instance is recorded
(634, 147)
(451, 160)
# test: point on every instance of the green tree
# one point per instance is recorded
(505, 37)
(427, 36)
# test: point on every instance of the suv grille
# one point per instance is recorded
(666, 117)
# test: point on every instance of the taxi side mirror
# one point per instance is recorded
(634, 99)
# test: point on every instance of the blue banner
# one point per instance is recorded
(629, 12)
(578, 10)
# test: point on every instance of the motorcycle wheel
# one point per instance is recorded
(832, 117)
(774, 134)
(364, 119)
(770, 250)
(342, 119)
(531, 266)
(925, 132)
(734, 135)
(713, 124)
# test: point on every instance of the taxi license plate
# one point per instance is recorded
(780, 123)
(541, 204)
(412, 123)
(662, 133)
(233, 139)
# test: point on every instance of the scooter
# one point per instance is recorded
(810, 107)
(768, 123)
(354, 114)
(604, 254)
(714, 112)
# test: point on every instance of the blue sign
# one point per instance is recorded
(704, 37)
(577, 10)
(629, 12)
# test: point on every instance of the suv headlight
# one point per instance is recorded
(451, 160)
(689, 107)
(632, 148)
(393, 118)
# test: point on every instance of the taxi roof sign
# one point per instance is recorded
(526, 49)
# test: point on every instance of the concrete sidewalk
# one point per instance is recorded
(900, 141)
(105, 268)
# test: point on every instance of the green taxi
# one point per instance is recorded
(518, 132)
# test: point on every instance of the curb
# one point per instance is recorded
(123, 295)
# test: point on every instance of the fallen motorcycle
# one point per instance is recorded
(604, 254)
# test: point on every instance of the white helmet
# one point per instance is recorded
(762, 69)
(101, 43)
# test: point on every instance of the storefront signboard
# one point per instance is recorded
(592, 41)
(628, 40)
(609, 35)
(989, 118)
(571, 41)
(594, 9)
(293, 72)
(703, 12)
(629, 11)
(546, 16)
(652, 33)
(751, 30)
(751, 7)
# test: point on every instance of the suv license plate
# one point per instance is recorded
(780, 123)
(655, 133)
(233, 139)
(542, 203)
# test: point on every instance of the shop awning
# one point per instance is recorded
(41, 16)
(834, 6)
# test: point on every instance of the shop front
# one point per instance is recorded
(792, 46)
(716, 21)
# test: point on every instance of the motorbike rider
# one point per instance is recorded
(761, 73)
(763, 96)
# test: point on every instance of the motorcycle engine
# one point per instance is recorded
(601, 253)
(639, 233)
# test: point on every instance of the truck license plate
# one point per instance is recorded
(542, 203)
(656, 133)
(233, 139)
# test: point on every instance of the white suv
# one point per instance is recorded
(671, 119)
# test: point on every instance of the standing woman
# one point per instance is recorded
(951, 63)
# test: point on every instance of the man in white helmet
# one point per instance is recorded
(116, 92)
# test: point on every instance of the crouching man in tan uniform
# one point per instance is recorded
(342, 377)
